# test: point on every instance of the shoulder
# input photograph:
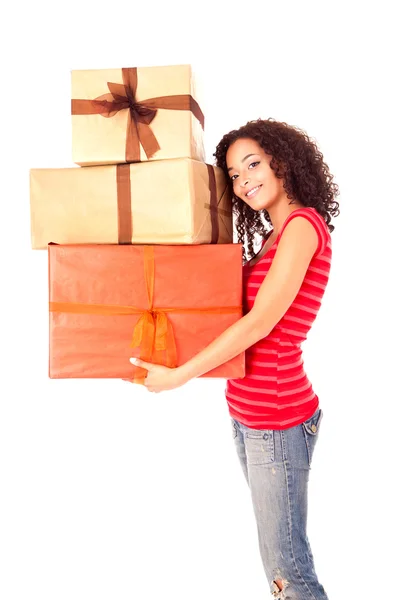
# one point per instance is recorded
(306, 225)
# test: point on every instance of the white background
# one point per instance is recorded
(108, 492)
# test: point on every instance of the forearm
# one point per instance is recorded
(237, 338)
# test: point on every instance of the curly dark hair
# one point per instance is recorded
(297, 160)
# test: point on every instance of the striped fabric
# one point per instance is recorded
(276, 393)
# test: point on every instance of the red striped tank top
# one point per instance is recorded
(275, 392)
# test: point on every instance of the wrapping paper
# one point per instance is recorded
(135, 114)
(163, 304)
(178, 201)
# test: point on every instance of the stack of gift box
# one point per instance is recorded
(139, 235)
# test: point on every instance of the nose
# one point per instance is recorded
(245, 182)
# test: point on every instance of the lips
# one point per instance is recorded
(251, 193)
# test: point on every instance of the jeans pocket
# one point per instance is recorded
(260, 448)
(311, 429)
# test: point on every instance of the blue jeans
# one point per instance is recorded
(276, 464)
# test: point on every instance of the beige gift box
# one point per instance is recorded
(135, 114)
(177, 201)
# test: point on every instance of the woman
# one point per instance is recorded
(283, 191)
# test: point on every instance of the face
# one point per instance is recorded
(253, 180)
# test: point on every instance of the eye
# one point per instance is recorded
(233, 177)
(254, 164)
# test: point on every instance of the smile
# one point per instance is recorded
(253, 192)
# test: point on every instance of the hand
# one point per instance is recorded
(159, 378)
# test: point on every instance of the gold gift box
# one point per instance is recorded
(177, 201)
(135, 114)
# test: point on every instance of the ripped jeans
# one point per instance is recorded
(276, 464)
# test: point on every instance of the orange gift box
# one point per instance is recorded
(163, 304)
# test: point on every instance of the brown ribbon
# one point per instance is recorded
(213, 205)
(125, 210)
(124, 204)
(141, 113)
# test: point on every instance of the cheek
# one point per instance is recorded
(273, 183)
(237, 190)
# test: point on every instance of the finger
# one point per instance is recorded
(149, 387)
(140, 363)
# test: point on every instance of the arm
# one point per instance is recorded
(295, 250)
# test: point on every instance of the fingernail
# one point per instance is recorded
(133, 360)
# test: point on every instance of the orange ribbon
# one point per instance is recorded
(141, 113)
(153, 333)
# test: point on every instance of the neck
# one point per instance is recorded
(279, 213)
